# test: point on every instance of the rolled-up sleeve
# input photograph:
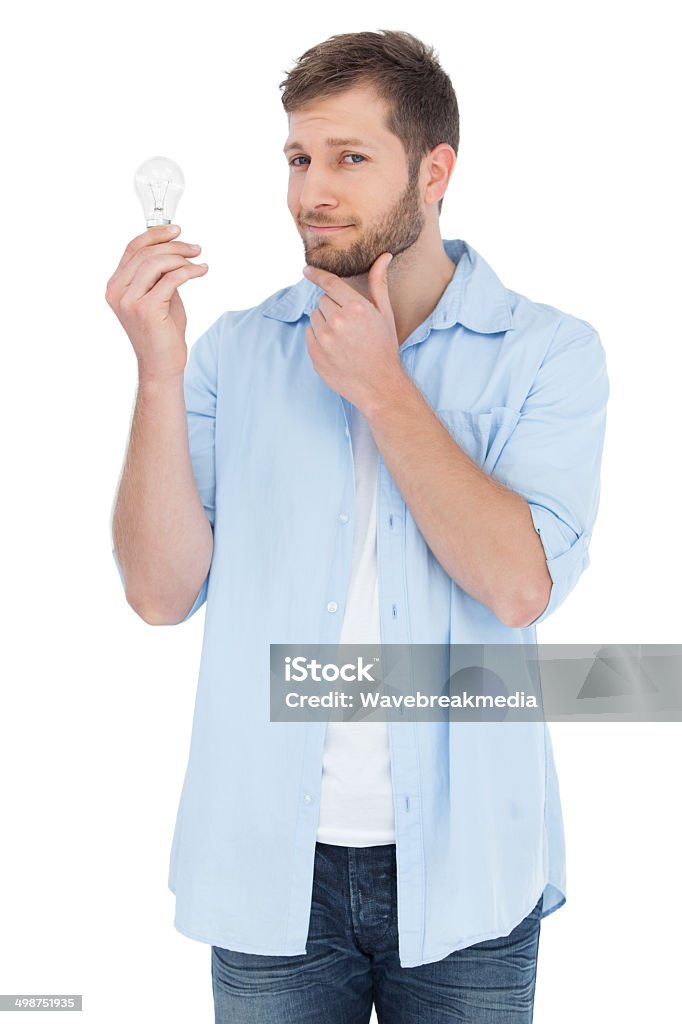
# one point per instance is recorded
(553, 457)
(200, 392)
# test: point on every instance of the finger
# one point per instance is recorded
(163, 291)
(310, 340)
(127, 273)
(159, 233)
(150, 271)
(317, 323)
(339, 290)
(377, 284)
(327, 307)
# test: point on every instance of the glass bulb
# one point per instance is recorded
(159, 183)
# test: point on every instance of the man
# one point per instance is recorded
(397, 448)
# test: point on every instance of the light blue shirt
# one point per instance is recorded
(522, 387)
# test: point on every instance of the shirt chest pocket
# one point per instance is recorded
(482, 435)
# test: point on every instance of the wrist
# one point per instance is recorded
(393, 390)
(154, 382)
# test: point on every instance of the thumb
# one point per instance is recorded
(377, 284)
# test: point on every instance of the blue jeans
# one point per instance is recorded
(352, 961)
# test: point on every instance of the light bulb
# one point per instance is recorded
(159, 183)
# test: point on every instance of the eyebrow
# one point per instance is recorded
(332, 142)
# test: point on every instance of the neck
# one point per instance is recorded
(416, 280)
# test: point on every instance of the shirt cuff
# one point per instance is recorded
(566, 553)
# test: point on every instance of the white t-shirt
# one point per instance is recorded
(356, 802)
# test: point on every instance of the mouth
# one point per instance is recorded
(327, 230)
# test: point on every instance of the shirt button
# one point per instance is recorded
(307, 799)
(343, 517)
(332, 606)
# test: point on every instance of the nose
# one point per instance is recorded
(317, 192)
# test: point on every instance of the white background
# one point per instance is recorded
(567, 183)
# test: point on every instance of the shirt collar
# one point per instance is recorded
(475, 297)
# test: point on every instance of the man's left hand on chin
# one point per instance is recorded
(352, 341)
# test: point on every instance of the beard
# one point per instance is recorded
(397, 230)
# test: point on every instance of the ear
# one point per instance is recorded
(440, 163)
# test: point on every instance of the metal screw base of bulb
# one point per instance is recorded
(158, 220)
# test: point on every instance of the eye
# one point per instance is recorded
(292, 163)
(358, 155)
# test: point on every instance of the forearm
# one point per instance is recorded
(479, 531)
(161, 533)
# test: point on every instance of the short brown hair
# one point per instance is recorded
(405, 73)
